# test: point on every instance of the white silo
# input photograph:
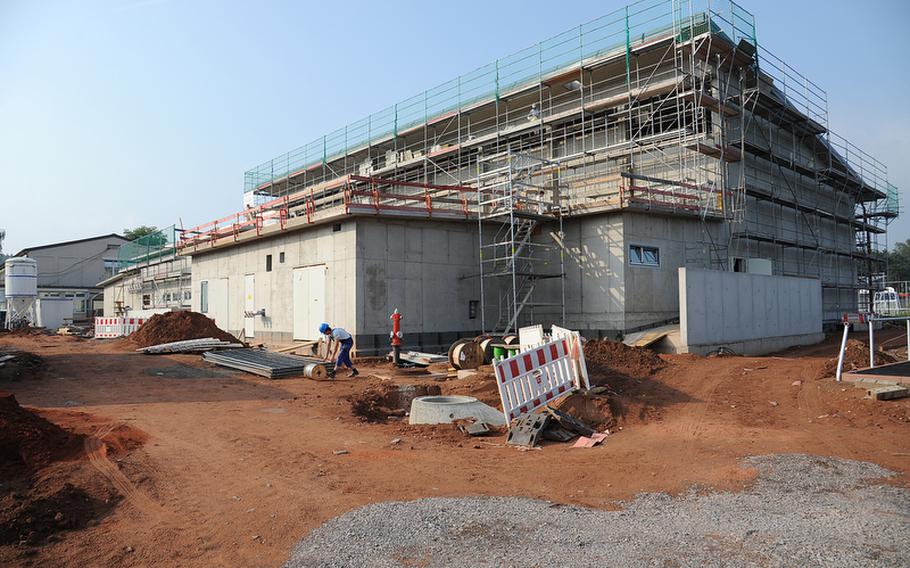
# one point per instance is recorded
(21, 279)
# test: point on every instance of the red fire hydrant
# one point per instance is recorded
(395, 337)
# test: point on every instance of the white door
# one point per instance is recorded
(249, 305)
(309, 301)
(218, 302)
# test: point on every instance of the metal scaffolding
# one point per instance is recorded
(664, 107)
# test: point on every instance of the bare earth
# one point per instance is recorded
(229, 469)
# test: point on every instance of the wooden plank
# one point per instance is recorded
(297, 346)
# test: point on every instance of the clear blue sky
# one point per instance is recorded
(120, 113)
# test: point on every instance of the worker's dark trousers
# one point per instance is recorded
(344, 356)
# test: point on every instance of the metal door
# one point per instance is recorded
(249, 305)
(309, 301)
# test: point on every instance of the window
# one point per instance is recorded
(146, 300)
(336, 227)
(280, 258)
(167, 297)
(644, 256)
(204, 297)
(187, 296)
(268, 263)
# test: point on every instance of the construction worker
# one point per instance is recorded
(342, 348)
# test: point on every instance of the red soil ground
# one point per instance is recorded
(234, 468)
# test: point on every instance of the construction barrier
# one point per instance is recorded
(536, 377)
(577, 352)
(109, 328)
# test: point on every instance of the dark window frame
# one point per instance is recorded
(638, 256)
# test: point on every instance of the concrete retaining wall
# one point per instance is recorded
(748, 313)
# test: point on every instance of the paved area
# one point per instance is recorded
(802, 511)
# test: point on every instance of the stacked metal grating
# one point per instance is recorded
(269, 364)
(189, 346)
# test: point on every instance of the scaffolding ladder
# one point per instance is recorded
(518, 193)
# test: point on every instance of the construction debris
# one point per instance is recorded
(590, 441)
(474, 428)
(189, 346)
(527, 429)
(419, 358)
(556, 433)
(569, 422)
(887, 392)
(271, 365)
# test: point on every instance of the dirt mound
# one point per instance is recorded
(856, 356)
(177, 326)
(25, 365)
(619, 357)
(481, 385)
(378, 404)
(26, 331)
(594, 410)
(28, 442)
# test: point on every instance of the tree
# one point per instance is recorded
(2, 236)
(899, 262)
(138, 232)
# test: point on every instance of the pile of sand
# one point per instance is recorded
(620, 358)
(177, 326)
(856, 356)
(28, 442)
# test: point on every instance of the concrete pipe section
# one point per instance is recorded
(445, 409)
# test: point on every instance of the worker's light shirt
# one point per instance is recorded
(340, 334)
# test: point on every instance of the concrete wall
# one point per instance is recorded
(425, 269)
(320, 245)
(652, 292)
(748, 313)
(595, 273)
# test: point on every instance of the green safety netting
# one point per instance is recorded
(620, 29)
(151, 247)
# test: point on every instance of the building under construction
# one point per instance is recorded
(565, 183)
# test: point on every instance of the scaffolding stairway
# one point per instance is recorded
(512, 263)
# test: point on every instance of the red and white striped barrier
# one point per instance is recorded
(855, 318)
(535, 377)
(577, 351)
(110, 328)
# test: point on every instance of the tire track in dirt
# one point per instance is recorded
(96, 451)
(159, 517)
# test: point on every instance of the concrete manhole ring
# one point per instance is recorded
(451, 399)
(444, 409)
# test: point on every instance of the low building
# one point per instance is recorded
(149, 277)
(72, 269)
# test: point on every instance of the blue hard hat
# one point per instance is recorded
(323, 327)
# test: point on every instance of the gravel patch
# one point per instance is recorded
(802, 511)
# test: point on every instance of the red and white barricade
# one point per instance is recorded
(110, 328)
(536, 377)
(576, 350)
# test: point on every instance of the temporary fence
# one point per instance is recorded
(536, 377)
(110, 328)
(576, 351)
